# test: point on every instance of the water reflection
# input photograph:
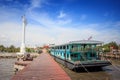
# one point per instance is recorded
(6, 68)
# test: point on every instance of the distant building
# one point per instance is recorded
(46, 46)
(114, 50)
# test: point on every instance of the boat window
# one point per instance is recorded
(61, 54)
(63, 47)
(93, 46)
(57, 47)
(83, 47)
(60, 47)
(52, 48)
(89, 46)
(92, 55)
(67, 47)
(74, 55)
(74, 48)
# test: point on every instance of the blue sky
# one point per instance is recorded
(59, 21)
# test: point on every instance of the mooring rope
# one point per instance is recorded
(93, 77)
(84, 68)
(111, 63)
(87, 70)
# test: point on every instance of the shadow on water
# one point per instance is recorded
(88, 69)
(107, 69)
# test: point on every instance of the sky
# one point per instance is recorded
(59, 21)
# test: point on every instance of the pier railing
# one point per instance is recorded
(110, 55)
(85, 50)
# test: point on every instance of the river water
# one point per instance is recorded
(108, 73)
(6, 68)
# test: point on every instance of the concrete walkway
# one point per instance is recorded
(42, 68)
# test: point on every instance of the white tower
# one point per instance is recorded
(22, 48)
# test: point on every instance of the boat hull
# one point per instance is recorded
(73, 65)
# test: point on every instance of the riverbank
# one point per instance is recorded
(14, 55)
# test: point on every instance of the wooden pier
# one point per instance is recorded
(110, 56)
(42, 68)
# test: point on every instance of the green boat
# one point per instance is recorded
(79, 54)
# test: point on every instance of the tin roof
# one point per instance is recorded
(81, 42)
(86, 42)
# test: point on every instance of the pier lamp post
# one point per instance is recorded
(22, 48)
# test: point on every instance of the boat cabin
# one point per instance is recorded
(82, 50)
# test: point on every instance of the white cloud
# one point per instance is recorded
(108, 36)
(42, 18)
(37, 35)
(52, 31)
(63, 18)
(37, 3)
(10, 33)
(61, 14)
(62, 22)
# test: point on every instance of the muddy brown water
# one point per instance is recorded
(107, 73)
(6, 68)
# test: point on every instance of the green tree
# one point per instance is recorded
(111, 44)
(2, 48)
(11, 48)
(119, 46)
(114, 45)
(28, 50)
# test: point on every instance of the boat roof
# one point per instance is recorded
(85, 42)
(81, 42)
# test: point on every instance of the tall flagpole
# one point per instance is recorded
(24, 23)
